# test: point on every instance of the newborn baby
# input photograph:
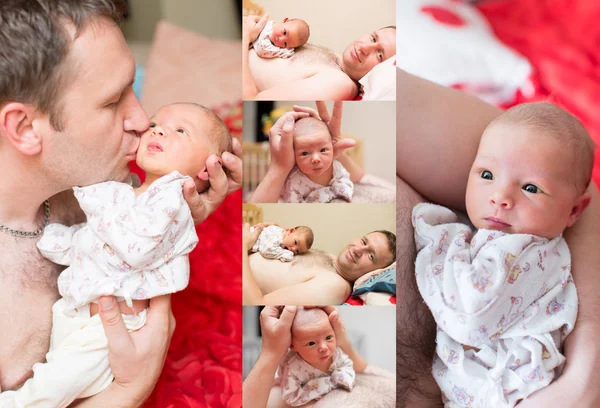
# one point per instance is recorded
(315, 365)
(504, 300)
(277, 243)
(134, 246)
(317, 177)
(280, 40)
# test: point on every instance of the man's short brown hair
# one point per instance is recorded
(34, 44)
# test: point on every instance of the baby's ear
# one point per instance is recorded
(292, 347)
(580, 205)
(291, 230)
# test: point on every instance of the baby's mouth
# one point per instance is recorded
(154, 147)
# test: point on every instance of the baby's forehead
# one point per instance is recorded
(188, 114)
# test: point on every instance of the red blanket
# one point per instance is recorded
(561, 39)
(204, 364)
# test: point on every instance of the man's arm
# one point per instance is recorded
(330, 84)
(356, 173)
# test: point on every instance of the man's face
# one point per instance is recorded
(101, 115)
(369, 50)
(364, 255)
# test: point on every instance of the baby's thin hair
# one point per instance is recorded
(310, 237)
(309, 125)
(563, 126)
(304, 32)
(219, 132)
(307, 317)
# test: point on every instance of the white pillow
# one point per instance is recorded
(380, 83)
(451, 43)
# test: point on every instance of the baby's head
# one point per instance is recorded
(181, 137)
(531, 172)
(298, 240)
(290, 33)
(313, 148)
(313, 337)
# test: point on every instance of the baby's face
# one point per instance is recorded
(286, 34)
(176, 140)
(521, 185)
(294, 241)
(314, 152)
(315, 343)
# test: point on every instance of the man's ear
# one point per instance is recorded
(580, 205)
(16, 126)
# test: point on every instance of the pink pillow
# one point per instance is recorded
(186, 67)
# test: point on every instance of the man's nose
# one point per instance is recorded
(366, 48)
(135, 118)
(502, 199)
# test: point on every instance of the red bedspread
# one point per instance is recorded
(204, 364)
(561, 39)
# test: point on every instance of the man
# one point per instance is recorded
(314, 72)
(68, 116)
(314, 278)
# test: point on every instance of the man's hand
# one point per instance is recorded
(137, 358)
(339, 328)
(276, 328)
(252, 26)
(334, 124)
(281, 141)
(203, 204)
(251, 237)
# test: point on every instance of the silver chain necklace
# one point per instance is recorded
(29, 234)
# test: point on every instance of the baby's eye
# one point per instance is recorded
(182, 131)
(323, 150)
(304, 154)
(285, 44)
(487, 175)
(363, 241)
(311, 343)
(284, 32)
(530, 188)
(295, 243)
(373, 38)
(329, 337)
(152, 125)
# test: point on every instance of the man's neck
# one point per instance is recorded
(23, 193)
(340, 271)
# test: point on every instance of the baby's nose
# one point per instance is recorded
(157, 130)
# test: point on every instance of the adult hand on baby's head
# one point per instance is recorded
(220, 184)
(276, 328)
(334, 124)
(252, 26)
(281, 141)
(249, 238)
(339, 328)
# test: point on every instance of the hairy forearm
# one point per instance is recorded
(258, 383)
(356, 173)
(269, 189)
(251, 293)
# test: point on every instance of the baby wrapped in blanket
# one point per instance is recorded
(503, 298)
